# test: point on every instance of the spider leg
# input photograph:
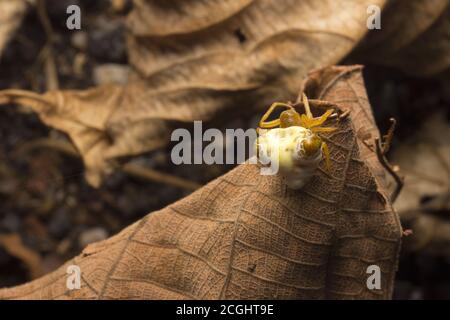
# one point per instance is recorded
(306, 105)
(274, 123)
(326, 154)
(314, 122)
(269, 124)
(323, 129)
(320, 120)
(305, 122)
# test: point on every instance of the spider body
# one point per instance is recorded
(293, 142)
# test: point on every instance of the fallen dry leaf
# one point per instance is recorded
(413, 37)
(430, 227)
(247, 236)
(424, 161)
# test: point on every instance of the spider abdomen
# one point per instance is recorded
(283, 150)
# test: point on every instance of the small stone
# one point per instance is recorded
(111, 74)
(92, 235)
(11, 222)
(71, 201)
(79, 64)
(8, 186)
(107, 41)
(79, 40)
(60, 223)
(119, 6)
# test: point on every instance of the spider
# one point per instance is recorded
(312, 144)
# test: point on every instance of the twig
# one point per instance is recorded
(139, 171)
(381, 148)
(48, 56)
(387, 138)
(22, 97)
(58, 145)
(384, 162)
(132, 169)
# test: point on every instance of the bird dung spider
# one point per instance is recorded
(293, 142)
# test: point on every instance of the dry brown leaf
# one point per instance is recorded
(414, 36)
(424, 161)
(81, 114)
(248, 236)
(11, 15)
(430, 227)
(12, 243)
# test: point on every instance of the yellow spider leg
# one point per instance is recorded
(314, 122)
(320, 120)
(305, 122)
(306, 105)
(323, 129)
(308, 120)
(274, 123)
(326, 154)
(269, 124)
